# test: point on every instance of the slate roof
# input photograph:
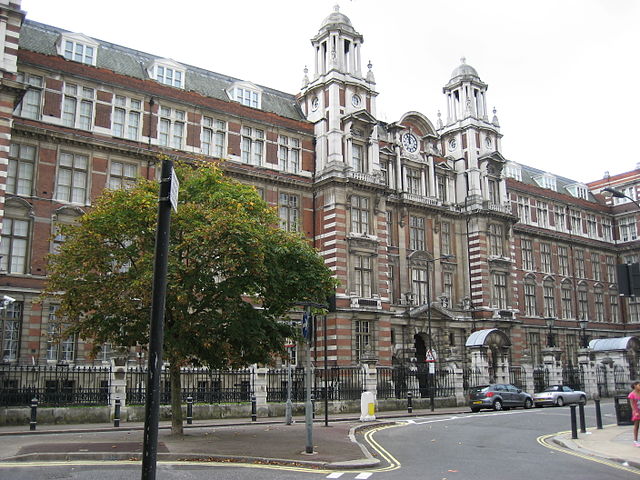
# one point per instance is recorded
(41, 38)
(529, 173)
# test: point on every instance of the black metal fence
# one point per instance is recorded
(54, 385)
(517, 377)
(201, 384)
(621, 379)
(277, 385)
(602, 381)
(573, 377)
(398, 381)
(540, 378)
(334, 383)
(471, 377)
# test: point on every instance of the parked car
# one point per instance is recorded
(559, 395)
(498, 396)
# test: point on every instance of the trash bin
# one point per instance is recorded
(623, 410)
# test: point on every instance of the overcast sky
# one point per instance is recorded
(562, 74)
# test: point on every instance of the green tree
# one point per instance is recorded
(233, 275)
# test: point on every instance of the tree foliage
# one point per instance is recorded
(232, 276)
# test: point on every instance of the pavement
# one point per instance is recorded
(340, 445)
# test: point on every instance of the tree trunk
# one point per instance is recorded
(176, 399)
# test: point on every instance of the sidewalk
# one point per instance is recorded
(338, 446)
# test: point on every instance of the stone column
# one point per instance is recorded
(587, 368)
(551, 360)
(479, 361)
(118, 387)
(260, 389)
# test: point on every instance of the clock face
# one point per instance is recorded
(314, 104)
(355, 100)
(452, 144)
(410, 142)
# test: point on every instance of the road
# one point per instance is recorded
(499, 446)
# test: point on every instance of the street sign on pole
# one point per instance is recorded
(175, 186)
(430, 356)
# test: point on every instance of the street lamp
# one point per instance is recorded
(583, 329)
(550, 321)
(612, 192)
(430, 351)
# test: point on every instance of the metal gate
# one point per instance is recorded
(573, 377)
(601, 379)
(540, 378)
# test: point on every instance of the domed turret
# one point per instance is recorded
(337, 20)
(464, 70)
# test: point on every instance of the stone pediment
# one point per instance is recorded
(361, 116)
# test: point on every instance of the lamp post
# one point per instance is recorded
(612, 192)
(583, 330)
(430, 356)
(550, 321)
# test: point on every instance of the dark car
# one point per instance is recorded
(498, 396)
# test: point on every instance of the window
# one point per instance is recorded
(77, 106)
(496, 240)
(171, 127)
(441, 184)
(358, 159)
(611, 268)
(213, 137)
(419, 285)
(384, 171)
(583, 303)
(126, 117)
(362, 276)
(628, 192)
(606, 229)
(527, 254)
(169, 76)
(447, 287)
(29, 107)
(359, 214)
(20, 170)
(289, 154)
(289, 212)
(14, 245)
(634, 309)
(563, 260)
(580, 270)
(414, 181)
(545, 257)
(566, 299)
(445, 238)
(390, 232)
(591, 226)
(122, 174)
(391, 284)
(560, 218)
(11, 323)
(416, 233)
(530, 307)
(494, 191)
(524, 211)
(628, 230)
(252, 145)
(58, 349)
(71, 184)
(613, 304)
(578, 190)
(247, 97)
(596, 266)
(543, 214)
(546, 181)
(513, 170)
(598, 301)
(549, 297)
(80, 52)
(362, 337)
(499, 290)
(576, 221)
(534, 348)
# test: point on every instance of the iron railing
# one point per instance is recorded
(54, 385)
(573, 377)
(540, 379)
(517, 377)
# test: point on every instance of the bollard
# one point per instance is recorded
(574, 423)
(409, 403)
(583, 427)
(598, 414)
(34, 413)
(189, 410)
(254, 412)
(116, 413)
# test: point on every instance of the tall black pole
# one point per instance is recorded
(326, 393)
(152, 404)
(430, 354)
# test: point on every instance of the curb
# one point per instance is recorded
(571, 445)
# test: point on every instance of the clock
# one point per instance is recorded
(355, 100)
(410, 142)
(452, 144)
(314, 104)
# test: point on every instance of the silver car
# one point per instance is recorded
(559, 395)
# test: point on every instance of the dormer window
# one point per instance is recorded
(578, 190)
(513, 170)
(246, 93)
(167, 72)
(78, 48)
(546, 180)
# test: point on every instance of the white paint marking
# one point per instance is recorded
(335, 475)
(363, 476)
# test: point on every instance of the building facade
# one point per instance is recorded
(431, 232)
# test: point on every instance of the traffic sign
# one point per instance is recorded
(430, 356)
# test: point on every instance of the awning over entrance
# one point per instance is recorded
(607, 344)
(481, 337)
